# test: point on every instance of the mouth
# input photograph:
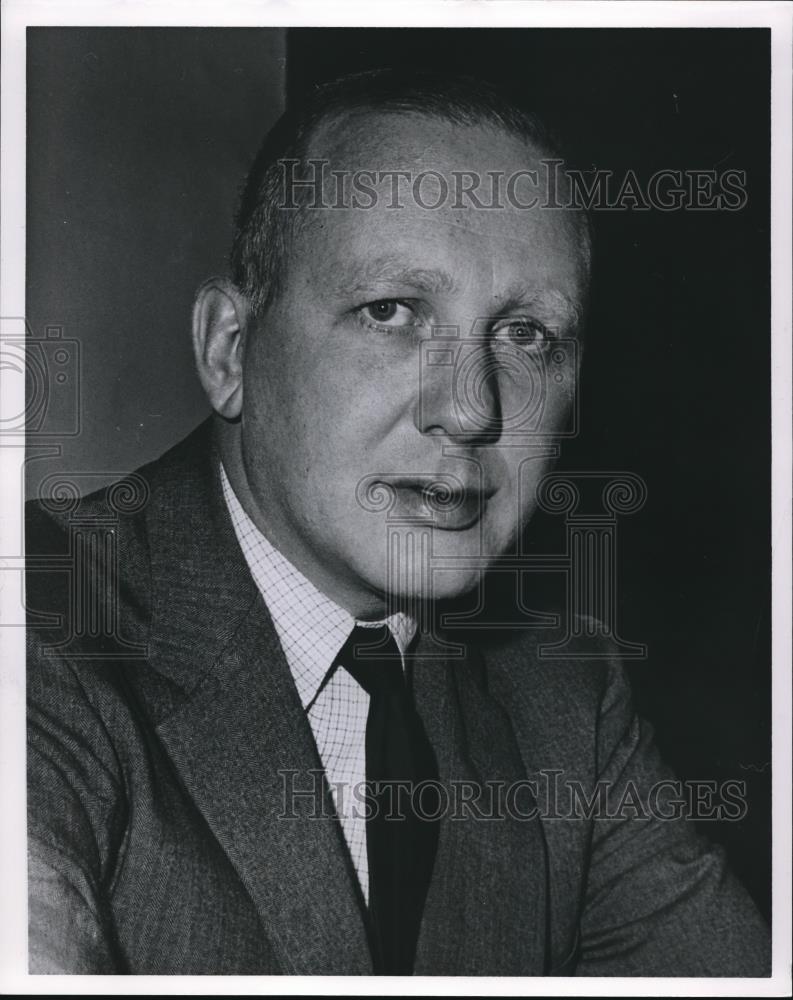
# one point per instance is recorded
(445, 501)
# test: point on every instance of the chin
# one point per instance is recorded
(416, 582)
(451, 586)
(442, 592)
(424, 563)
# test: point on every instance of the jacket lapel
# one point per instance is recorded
(486, 908)
(243, 748)
(231, 721)
(230, 718)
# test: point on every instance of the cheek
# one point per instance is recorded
(536, 397)
(517, 499)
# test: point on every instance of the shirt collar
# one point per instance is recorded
(311, 627)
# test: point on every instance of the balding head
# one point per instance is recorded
(330, 130)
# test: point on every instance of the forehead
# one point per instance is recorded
(405, 139)
(416, 189)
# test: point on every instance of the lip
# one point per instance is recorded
(449, 508)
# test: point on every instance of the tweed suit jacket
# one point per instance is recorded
(161, 747)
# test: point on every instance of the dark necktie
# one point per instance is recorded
(400, 838)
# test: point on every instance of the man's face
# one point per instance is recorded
(352, 409)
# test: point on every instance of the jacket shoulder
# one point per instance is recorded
(93, 551)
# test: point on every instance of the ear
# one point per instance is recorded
(220, 317)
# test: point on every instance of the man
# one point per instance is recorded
(347, 486)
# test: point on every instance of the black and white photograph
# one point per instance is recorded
(395, 559)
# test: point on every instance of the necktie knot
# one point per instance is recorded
(372, 656)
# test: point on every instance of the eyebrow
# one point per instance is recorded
(552, 304)
(392, 270)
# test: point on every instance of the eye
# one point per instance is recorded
(522, 332)
(388, 314)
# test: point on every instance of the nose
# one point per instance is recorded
(459, 391)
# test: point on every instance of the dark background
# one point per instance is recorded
(138, 141)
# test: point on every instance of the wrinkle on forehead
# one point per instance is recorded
(415, 258)
(525, 233)
(459, 223)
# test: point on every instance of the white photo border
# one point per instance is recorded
(17, 15)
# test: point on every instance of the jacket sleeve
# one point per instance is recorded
(75, 806)
(660, 900)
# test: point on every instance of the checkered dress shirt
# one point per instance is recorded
(312, 629)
